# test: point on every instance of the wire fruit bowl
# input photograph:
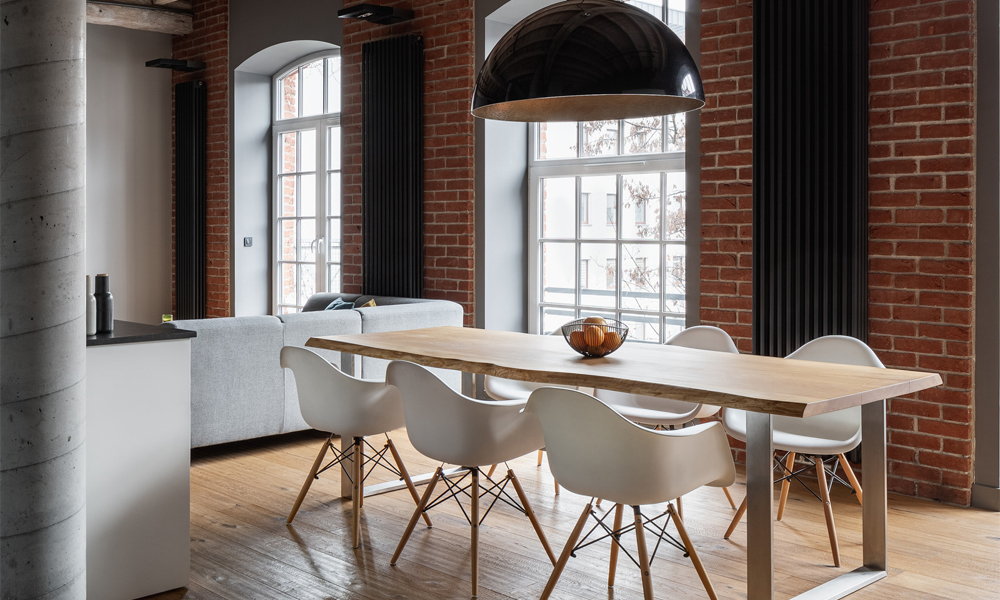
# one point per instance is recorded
(594, 337)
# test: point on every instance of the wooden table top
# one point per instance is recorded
(795, 388)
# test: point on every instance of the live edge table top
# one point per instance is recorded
(794, 388)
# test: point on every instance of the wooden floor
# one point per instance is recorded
(241, 548)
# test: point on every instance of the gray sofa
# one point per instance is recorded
(238, 389)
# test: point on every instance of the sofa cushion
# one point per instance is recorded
(402, 317)
(237, 387)
(299, 327)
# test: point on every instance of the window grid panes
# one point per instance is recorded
(612, 230)
(307, 182)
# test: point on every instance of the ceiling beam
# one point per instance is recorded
(139, 16)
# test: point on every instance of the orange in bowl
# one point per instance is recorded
(596, 350)
(601, 323)
(594, 335)
(577, 340)
(612, 340)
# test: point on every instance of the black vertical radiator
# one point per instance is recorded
(810, 172)
(392, 176)
(190, 147)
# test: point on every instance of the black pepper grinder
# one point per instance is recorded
(105, 304)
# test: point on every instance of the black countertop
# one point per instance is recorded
(127, 332)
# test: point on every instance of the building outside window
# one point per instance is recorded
(307, 194)
(638, 166)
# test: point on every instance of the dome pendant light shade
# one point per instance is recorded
(587, 60)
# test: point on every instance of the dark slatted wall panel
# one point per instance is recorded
(190, 146)
(810, 172)
(392, 180)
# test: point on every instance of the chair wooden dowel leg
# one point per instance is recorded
(540, 452)
(406, 478)
(474, 491)
(692, 553)
(531, 515)
(556, 484)
(789, 468)
(310, 478)
(824, 493)
(640, 539)
(736, 518)
(729, 497)
(416, 515)
(492, 469)
(680, 507)
(613, 562)
(361, 472)
(358, 469)
(567, 550)
(851, 477)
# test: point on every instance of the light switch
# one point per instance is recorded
(247, 242)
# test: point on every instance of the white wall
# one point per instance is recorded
(128, 169)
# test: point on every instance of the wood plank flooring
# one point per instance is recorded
(241, 548)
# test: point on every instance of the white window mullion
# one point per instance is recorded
(321, 183)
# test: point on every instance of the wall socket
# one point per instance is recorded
(247, 242)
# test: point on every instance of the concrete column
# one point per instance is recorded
(42, 329)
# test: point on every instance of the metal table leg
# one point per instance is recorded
(760, 507)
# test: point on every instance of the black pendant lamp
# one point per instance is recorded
(587, 60)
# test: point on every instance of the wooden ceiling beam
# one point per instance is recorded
(139, 14)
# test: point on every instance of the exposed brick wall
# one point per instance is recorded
(447, 28)
(921, 217)
(210, 43)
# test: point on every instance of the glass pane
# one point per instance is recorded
(653, 7)
(307, 195)
(672, 326)
(307, 237)
(598, 271)
(312, 89)
(333, 194)
(642, 328)
(676, 133)
(554, 317)
(674, 282)
(640, 275)
(675, 217)
(288, 283)
(333, 235)
(558, 274)
(333, 83)
(558, 194)
(557, 140)
(288, 146)
(287, 310)
(641, 206)
(601, 194)
(287, 239)
(333, 278)
(584, 313)
(643, 136)
(600, 138)
(675, 16)
(333, 148)
(307, 150)
(288, 195)
(290, 95)
(307, 282)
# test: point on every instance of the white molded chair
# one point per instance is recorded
(500, 388)
(596, 452)
(666, 412)
(334, 402)
(455, 429)
(833, 434)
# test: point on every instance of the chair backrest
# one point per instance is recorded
(594, 451)
(840, 425)
(333, 401)
(450, 427)
(699, 337)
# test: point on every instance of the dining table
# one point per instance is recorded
(763, 386)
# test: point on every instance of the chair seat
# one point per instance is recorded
(648, 416)
(789, 441)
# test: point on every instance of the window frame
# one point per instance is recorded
(322, 125)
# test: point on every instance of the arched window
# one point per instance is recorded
(306, 134)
